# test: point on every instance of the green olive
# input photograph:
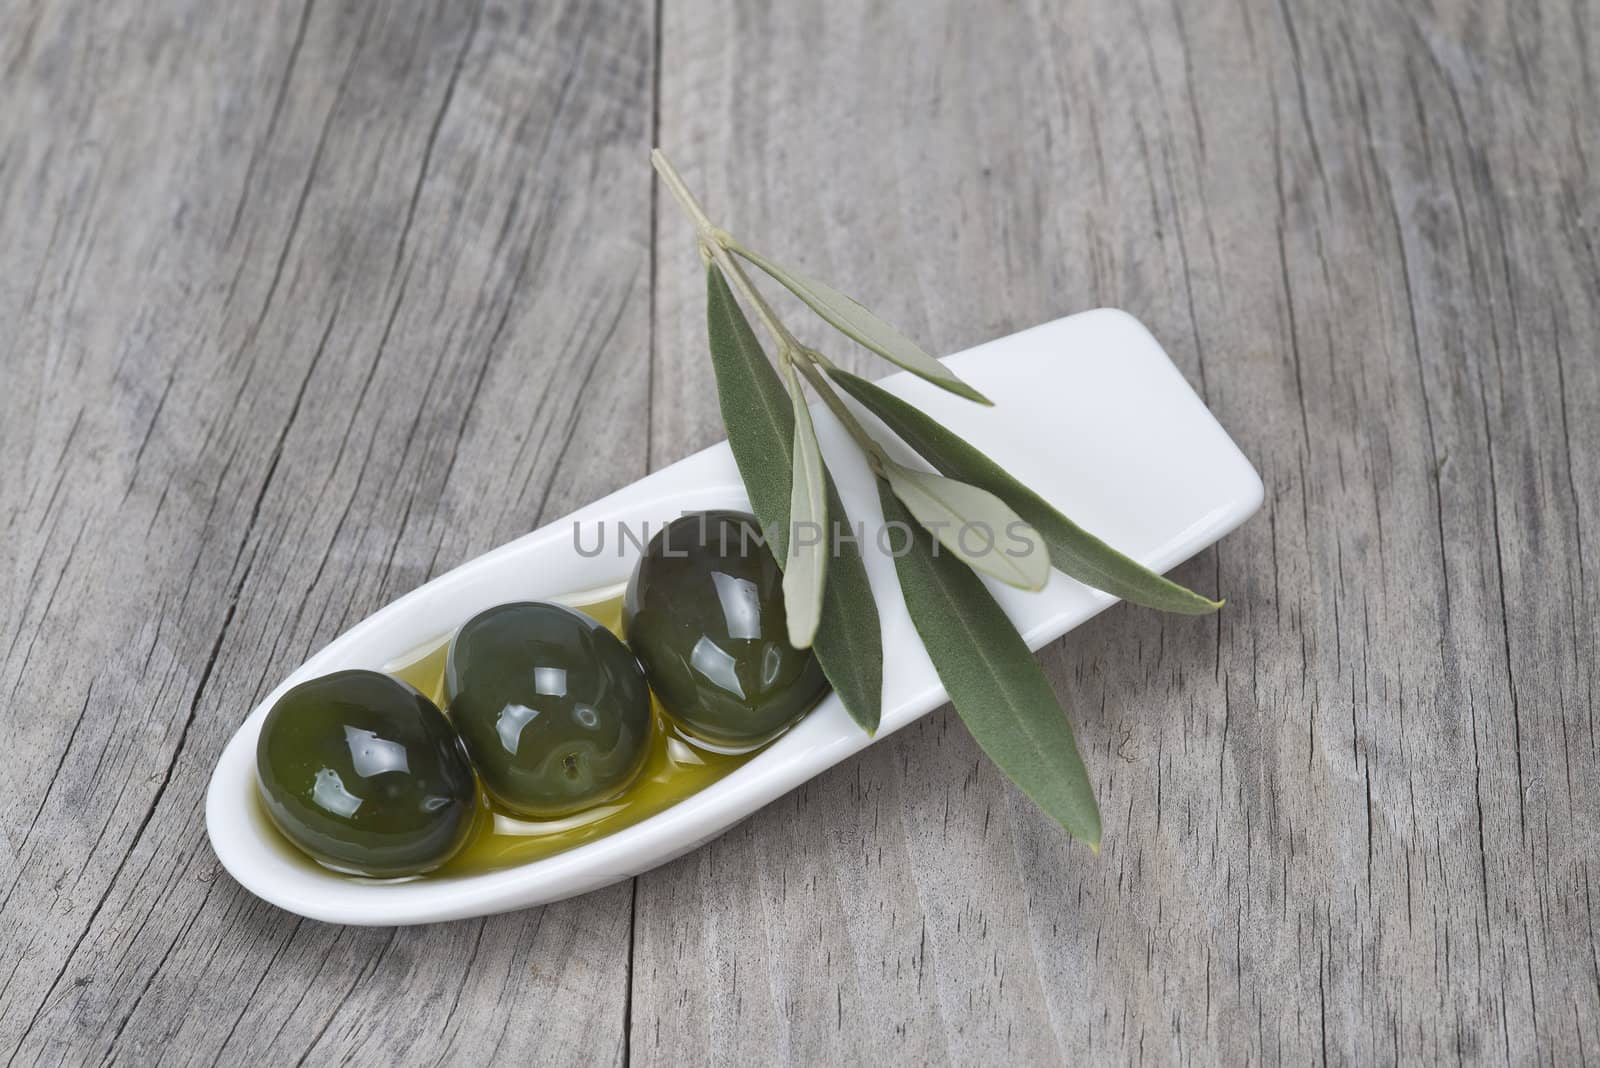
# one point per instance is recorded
(364, 773)
(553, 708)
(704, 612)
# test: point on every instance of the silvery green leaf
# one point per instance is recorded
(755, 410)
(759, 418)
(975, 525)
(863, 327)
(1072, 549)
(805, 571)
(994, 682)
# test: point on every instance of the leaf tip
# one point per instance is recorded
(1198, 604)
(861, 718)
(952, 384)
(801, 617)
(801, 632)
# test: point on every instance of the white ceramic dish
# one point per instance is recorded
(1088, 411)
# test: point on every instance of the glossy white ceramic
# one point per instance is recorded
(1089, 411)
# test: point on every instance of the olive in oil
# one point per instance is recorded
(673, 770)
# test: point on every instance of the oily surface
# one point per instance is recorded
(365, 774)
(551, 706)
(705, 614)
(308, 302)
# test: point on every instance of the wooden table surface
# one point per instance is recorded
(305, 303)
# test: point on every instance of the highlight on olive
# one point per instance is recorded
(546, 710)
(365, 775)
(553, 708)
(704, 613)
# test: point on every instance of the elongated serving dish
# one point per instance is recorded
(1089, 412)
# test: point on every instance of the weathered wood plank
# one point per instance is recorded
(1354, 818)
(287, 339)
(301, 300)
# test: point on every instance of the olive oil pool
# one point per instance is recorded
(536, 727)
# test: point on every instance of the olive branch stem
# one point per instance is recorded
(717, 243)
(984, 663)
(810, 365)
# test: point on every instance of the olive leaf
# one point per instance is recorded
(975, 525)
(760, 422)
(1072, 549)
(863, 327)
(993, 681)
(806, 568)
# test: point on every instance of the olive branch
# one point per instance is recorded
(993, 681)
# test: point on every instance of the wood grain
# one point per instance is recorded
(289, 341)
(1352, 819)
(301, 301)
